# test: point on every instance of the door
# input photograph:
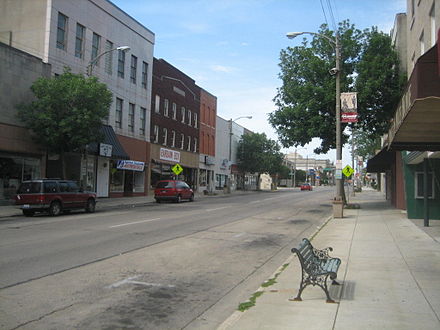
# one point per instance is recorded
(102, 177)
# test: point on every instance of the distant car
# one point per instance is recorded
(174, 190)
(306, 186)
(53, 196)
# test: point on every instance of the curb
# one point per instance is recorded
(236, 315)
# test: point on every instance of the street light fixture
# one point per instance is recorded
(93, 62)
(337, 72)
(230, 147)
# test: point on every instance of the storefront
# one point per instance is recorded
(164, 159)
(14, 169)
(206, 174)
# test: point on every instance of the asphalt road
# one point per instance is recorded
(162, 266)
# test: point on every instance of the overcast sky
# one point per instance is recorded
(231, 47)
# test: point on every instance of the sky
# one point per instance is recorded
(231, 48)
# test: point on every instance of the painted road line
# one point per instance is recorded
(218, 208)
(253, 202)
(133, 223)
(131, 280)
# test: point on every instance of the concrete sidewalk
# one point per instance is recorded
(389, 275)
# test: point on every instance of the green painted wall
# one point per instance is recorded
(415, 205)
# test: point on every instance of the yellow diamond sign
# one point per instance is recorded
(177, 169)
(348, 170)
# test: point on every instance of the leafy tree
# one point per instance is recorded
(258, 154)
(300, 176)
(306, 100)
(379, 84)
(67, 113)
(365, 145)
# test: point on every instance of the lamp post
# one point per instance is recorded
(230, 148)
(93, 61)
(337, 72)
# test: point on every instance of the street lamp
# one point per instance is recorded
(337, 72)
(93, 61)
(230, 147)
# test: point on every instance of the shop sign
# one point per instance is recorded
(209, 160)
(170, 155)
(131, 165)
(105, 150)
(225, 164)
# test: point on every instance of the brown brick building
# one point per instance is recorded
(175, 122)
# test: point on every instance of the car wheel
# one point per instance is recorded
(55, 208)
(178, 199)
(191, 199)
(28, 213)
(91, 205)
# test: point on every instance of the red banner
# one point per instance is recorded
(349, 117)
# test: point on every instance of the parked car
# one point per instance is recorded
(53, 196)
(306, 186)
(174, 190)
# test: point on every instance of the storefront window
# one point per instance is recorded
(138, 181)
(116, 178)
(14, 170)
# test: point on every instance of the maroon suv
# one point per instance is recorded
(53, 196)
(173, 190)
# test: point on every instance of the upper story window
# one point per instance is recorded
(195, 144)
(165, 136)
(157, 104)
(156, 134)
(131, 117)
(144, 74)
(182, 141)
(108, 57)
(173, 138)
(189, 143)
(189, 118)
(143, 115)
(174, 111)
(196, 125)
(133, 69)
(62, 31)
(166, 105)
(182, 113)
(79, 40)
(422, 43)
(118, 117)
(96, 45)
(121, 63)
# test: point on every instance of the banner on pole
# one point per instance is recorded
(349, 107)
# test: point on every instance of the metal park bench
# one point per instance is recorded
(317, 266)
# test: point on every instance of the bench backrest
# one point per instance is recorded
(306, 255)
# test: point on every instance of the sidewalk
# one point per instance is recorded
(389, 275)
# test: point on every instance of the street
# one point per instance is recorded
(160, 266)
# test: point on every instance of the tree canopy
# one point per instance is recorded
(306, 100)
(67, 112)
(258, 154)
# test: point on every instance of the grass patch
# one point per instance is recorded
(252, 300)
(248, 304)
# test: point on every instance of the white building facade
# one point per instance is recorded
(71, 34)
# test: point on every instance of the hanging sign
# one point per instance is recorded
(349, 108)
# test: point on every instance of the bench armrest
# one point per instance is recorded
(323, 254)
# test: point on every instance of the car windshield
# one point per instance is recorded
(165, 184)
(29, 188)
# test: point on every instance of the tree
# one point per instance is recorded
(365, 145)
(258, 154)
(306, 100)
(379, 84)
(67, 113)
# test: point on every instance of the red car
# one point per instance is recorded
(53, 196)
(306, 186)
(174, 190)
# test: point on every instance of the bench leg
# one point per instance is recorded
(335, 282)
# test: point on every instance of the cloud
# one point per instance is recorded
(222, 68)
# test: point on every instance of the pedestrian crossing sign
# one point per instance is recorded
(348, 171)
(177, 169)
